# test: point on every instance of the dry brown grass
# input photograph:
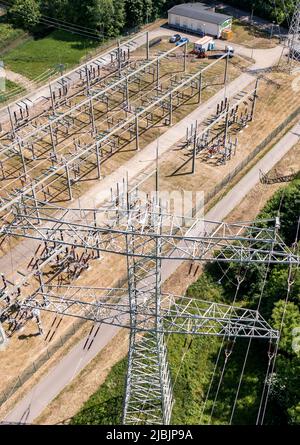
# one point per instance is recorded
(252, 37)
(24, 347)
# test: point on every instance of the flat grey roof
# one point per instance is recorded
(199, 11)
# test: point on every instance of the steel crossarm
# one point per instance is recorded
(180, 315)
(201, 241)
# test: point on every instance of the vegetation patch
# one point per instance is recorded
(8, 34)
(60, 49)
(252, 37)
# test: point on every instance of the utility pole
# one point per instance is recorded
(252, 13)
(184, 57)
(147, 46)
(200, 88)
(272, 29)
(194, 149)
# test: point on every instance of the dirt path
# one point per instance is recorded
(19, 79)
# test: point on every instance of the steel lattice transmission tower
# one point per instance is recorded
(294, 37)
(151, 240)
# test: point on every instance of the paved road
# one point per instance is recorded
(32, 405)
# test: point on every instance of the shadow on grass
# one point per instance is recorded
(79, 42)
(108, 412)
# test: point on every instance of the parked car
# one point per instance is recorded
(182, 40)
(175, 38)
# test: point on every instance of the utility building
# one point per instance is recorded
(198, 18)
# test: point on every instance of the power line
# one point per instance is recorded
(65, 27)
(249, 345)
(238, 285)
(63, 22)
(291, 281)
(69, 29)
(67, 23)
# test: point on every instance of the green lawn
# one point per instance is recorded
(37, 56)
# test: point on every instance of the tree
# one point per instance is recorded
(103, 16)
(134, 12)
(294, 414)
(291, 314)
(25, 14)
(159, 6)
(55, 8)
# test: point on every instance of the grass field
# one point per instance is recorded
(33, 58)
(252, 37)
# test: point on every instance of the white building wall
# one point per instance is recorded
(194, 25)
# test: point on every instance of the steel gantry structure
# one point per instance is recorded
(49, 152)
(219, 138)
(294, 36)
(150, 239)
(24, 110)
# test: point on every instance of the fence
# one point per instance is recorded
(31, 369)
(251, 156)
(52, 73)
(46, 355)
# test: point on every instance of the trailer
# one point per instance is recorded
(205, 44)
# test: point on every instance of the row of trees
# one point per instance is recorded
(108, 17)
(111, 17)
(275, 10)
